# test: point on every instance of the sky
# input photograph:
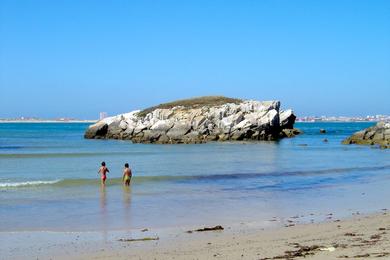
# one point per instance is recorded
(78, 58)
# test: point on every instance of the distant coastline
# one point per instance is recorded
(7, 121)
(2, 121)
(338, 121)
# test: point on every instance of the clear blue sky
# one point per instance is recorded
(77, 58)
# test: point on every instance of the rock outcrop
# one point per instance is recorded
(199, 120)
(378, 134)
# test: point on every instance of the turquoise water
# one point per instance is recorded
(49, 180)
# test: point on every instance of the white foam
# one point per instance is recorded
(26, 183)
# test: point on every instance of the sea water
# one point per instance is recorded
(49, 179)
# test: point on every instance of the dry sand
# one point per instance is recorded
(362, 237)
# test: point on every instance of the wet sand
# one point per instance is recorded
(360, 237)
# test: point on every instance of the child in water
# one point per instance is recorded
(126, 175)
(103, 170)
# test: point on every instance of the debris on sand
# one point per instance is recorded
(375, 237)
(362, 256)
(301, 251)
(207, 229)
(304, 251)
(138, 239)
(330, 249)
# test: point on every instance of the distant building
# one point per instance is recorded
(102, 115)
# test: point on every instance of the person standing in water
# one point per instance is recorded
(103, 170)
(126, 175)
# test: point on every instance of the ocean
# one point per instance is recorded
(49, 179)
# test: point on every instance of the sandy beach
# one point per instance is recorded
(360, 237)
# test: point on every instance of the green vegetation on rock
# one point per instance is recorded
(192, 103)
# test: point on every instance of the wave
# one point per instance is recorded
(26, 183)
(185, 178)
(86, 182)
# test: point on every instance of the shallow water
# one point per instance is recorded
(49, 180)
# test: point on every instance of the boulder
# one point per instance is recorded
(287, 119)
(375, 135)
(228, 122)
(272, 118)
(151, 136)
(290, 132)
(244, 124)
(178, 131)
(114, 130)
(162, 126)
(123, 125)
(98, 130)
(140, 126)
(199, 121)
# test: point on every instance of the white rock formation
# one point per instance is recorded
(247, 120)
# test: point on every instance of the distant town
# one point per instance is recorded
(375, 118)
(103, 115)
(41, 120)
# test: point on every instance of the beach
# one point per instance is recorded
(360, 237)
(264, 194)
(357, 237)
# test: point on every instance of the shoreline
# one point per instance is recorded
(354, 237)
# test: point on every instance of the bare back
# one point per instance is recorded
(127, 172)
(103, 170)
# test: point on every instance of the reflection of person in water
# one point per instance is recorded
(103, 199)
(126, 210)
(103, 213)
(126, 175)
(126, 196)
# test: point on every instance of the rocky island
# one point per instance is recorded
(199, 120)
(375, 135)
